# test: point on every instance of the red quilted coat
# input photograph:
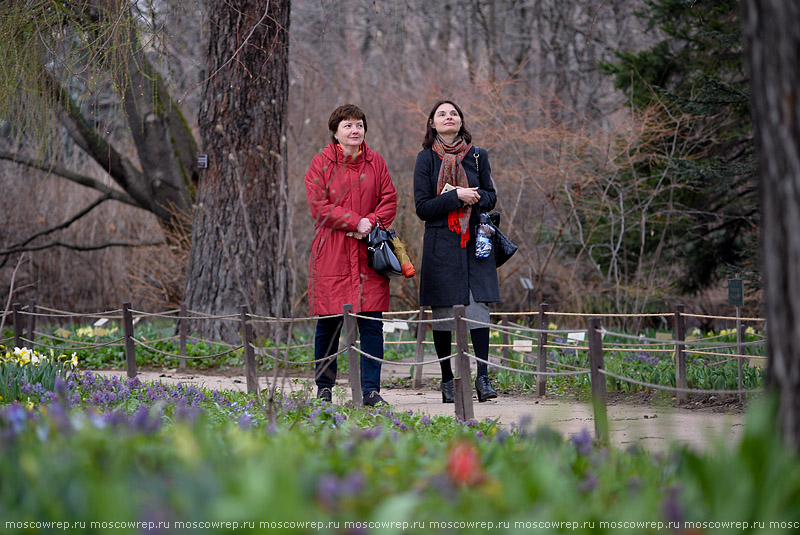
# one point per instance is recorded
(339, 195)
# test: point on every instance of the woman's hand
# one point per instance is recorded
(362, 229)
(468, 195)
(364, 226)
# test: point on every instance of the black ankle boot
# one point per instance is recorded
(484, 388)
(448, 391)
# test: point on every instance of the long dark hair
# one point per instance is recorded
(430, 133)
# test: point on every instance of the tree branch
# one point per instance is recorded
(83, 180)
(63, 225)
(11, 292)
(119, 168)
(81, 247)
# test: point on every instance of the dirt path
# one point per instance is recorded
(653, 427)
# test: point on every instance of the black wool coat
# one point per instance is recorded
(448, 272)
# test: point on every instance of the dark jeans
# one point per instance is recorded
(326, 342)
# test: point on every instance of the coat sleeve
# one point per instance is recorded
(386, 208)
(486, 186)
(430, 205)
(323, 210)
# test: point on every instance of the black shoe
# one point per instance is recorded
(484, 388)
(448, 391)
(324, 394)
(373, 398)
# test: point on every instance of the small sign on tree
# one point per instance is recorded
(735, 292)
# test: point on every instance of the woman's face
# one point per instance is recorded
(350, 133)
(446, 120)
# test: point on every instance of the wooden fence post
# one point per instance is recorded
(350, 329)
(541, 361)
(463, 379)
(31, 323)
(17, 317)
(505, 339)
(740, 351)
(182, 328)
(250, 371)
(130, 346)
(598, 380)
(422, 332)
(680, 355)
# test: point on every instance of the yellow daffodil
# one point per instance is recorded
(552, 326)
(84, 331)
(23, 355)
(74, 360)
(29, 405)
(750, 330)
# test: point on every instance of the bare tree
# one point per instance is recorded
(241, 228)
(163, 175)
(772, 30)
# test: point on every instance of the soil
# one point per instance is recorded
(646, 419)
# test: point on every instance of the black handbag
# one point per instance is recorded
(503, 247)
(380, 252)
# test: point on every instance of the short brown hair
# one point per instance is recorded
(344, 112)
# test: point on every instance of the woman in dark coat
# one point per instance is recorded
(348, 189)
(452, 187)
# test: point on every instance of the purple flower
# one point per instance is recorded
(245, 422)
(145, 422)
(673, 510)
(501, 436)
(332, 489)
(588, 484)
(328, 490)
(59, 418)
(582, 442)
(187, 413)
(14, 418)
(372, 432)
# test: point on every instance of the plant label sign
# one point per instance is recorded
(735, 292)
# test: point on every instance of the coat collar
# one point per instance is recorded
(334, 155)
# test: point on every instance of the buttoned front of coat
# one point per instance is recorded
(448, 272)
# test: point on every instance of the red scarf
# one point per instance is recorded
(452, 172)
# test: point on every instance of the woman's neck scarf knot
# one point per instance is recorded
(452, 172)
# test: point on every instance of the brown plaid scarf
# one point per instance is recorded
(452, 172)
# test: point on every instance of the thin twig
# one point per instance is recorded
(10, 292)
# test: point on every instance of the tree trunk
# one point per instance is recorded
(241, 224)
(772, 30)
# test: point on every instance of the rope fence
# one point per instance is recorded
(566, 341)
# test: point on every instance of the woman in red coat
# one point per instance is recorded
(348, 189)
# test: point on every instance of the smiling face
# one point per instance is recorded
(446, 120)
(350, 134)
